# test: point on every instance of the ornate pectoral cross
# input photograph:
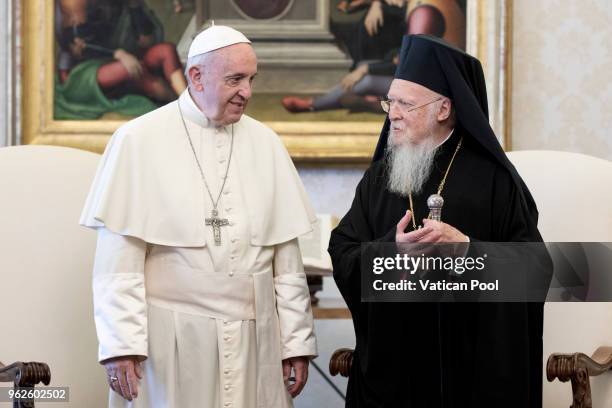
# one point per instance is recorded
(216, 223)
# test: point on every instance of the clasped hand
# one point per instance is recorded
(432, 231)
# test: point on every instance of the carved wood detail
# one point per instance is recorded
(25, 375)
(340, 362)
(578, 368)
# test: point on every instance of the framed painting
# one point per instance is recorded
(90, 65)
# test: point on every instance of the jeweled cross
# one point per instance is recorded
(216, 223)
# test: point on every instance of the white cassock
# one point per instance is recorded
(214, 321)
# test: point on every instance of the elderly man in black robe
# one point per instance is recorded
(437, 139)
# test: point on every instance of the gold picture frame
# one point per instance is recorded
(488, 38)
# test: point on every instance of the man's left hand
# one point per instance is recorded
(441, 232)
(300, 373)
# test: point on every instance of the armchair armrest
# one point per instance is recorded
(25, 375)
(578, 368)
(341, 362)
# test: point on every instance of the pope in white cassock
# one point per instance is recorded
(200, 297)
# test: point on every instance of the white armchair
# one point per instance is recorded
(574, 198)
(46, 311)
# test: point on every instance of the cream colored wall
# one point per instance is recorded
(562, 76)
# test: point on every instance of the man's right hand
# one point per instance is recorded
(123, 374)
(412, 236)
(423, 240)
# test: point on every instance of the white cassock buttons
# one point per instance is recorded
(227, 387)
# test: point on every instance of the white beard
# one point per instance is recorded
(408, 165)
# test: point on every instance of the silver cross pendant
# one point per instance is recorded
(216, 224)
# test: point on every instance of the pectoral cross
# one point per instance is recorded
(216, 223)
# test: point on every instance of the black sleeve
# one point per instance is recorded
(346, 241)
(514, 224)
(345, 245)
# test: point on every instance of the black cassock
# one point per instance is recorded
(447, 355)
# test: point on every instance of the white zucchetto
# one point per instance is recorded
(215, 37)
